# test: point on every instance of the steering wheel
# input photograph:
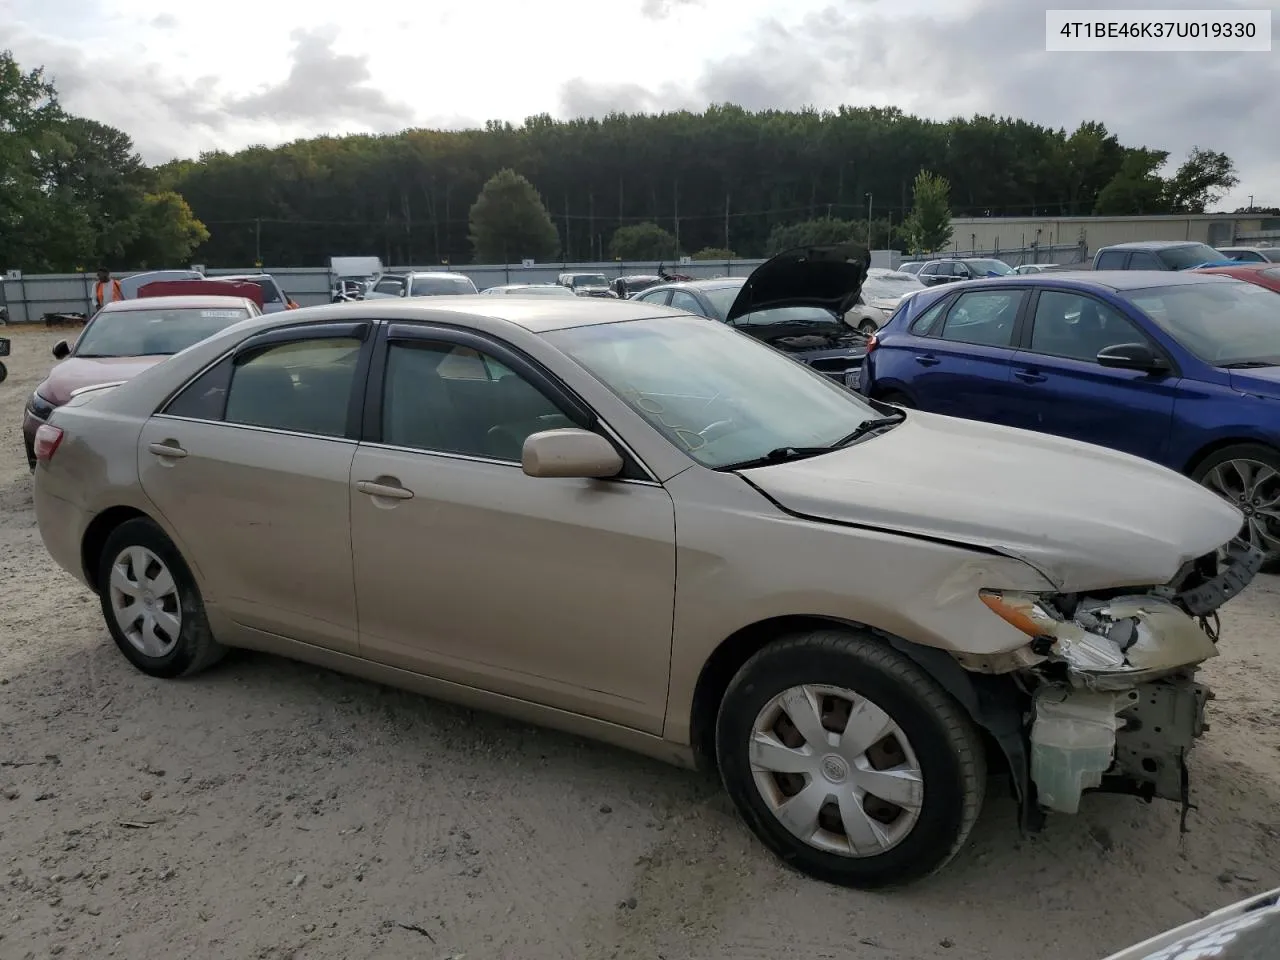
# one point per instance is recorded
(718, 429)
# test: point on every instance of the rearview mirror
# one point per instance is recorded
(1132, 356)
(570, 452)
(61, 349)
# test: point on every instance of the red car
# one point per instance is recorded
(1263, 274)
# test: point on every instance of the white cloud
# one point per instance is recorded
(181, 80)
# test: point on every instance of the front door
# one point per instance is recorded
(555, 591)
(250, 465)
(1065, 391)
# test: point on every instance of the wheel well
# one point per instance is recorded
(95, 538)
(721, 667)
(1205, 452)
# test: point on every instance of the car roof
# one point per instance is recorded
(718, 283)
(242, 276)
(1153, 244)
(437, 274)
(1105, 279)
(176, 303)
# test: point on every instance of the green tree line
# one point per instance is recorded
(723, 179)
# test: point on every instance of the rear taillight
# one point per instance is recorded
(48, 437)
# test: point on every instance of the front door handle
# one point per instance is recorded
(386, 490)
(169, 450)
(927, 360)
(1030, 376)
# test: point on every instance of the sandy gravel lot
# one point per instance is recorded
(271, 810)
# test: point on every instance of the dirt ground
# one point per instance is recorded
(269, 809)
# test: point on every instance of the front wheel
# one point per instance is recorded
(848, 761)
(152, 604)
(1247, 476)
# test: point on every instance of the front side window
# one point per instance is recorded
(149, 333)
(984, 317)
(303, 386)
(443, 398)
(1141, 260)
(1227, 324)
(1078, 327)
(1111, 260)
(716, 395)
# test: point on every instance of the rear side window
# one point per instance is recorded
(687, 301)
(391, 285)
(303, 386)
(1110, 260)
(1078, 327)
(1141, 260)
(924, 323)
(983, 317)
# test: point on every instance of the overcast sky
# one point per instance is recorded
(182, 78)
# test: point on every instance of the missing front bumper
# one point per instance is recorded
(1134, 741)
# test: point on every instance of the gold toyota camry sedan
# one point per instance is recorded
(646, 527)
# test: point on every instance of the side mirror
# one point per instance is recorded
(1132, 356)
(570, 452)
(61, 349)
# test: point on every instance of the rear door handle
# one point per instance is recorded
(1030, 376)
(389, 491)
(169, 450)
(927, 360)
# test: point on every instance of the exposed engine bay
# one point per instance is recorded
(1114, 703)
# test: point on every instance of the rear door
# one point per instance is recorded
(1063, 390)
(960, 366)
(250, 466)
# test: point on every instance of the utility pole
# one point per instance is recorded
(1251, 203)
(591, 218)
(726, 222)
(868, 221)
(567, 255)
(676, 213)
(257, 240)
(621, 205)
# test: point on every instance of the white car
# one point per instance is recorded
(435, 283)
(882, 293)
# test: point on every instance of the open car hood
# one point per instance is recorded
(829, 277)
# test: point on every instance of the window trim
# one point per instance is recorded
(634, 469)
(1019, 318)
(1028, 329)
(260, 342)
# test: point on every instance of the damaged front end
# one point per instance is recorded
(1115, 705)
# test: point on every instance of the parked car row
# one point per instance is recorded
(710, 550)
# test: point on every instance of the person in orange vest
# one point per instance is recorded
(106, 290)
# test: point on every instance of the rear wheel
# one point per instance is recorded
(848, 761)
(1247, 475)
(31, 452)
(151, 603)
(868, 327)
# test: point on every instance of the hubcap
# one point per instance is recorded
(144, 602)
(836, 770)
(1254, 488)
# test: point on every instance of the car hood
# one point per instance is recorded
(1262, 382)
(76, 372)
(1085, 517)
(830, 277)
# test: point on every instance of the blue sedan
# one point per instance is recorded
(1182, 369)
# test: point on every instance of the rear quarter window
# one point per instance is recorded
(922, 324)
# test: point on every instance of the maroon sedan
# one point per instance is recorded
(123, 339)
(1263, 274)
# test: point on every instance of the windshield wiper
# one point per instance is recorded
(1246, 364)
(785, 454)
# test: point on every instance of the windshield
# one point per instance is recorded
(1189, 255)
(590, 280)
(721, 397)
(441, 286)
(889, 286)
(1221, 323)
(150, 333)
(983, 267)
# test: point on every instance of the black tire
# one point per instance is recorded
(31, 453)
(1258, 453)
(946, 745)
(4, 373)
(897, 399)
(868, 327)
(195, 648)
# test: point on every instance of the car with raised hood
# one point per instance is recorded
(794, 302)
(123, 339)
(1182, 368)
(631, 523)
